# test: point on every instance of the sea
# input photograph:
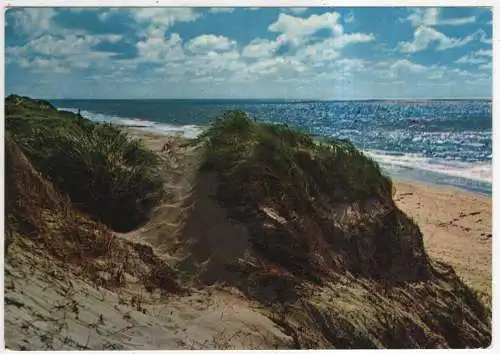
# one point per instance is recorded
(444, 142)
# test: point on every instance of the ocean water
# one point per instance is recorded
(438, 141)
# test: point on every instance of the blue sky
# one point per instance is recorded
(296, 53)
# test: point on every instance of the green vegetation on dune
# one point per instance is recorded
(326, 243)
(307, 184)
(238, 146)
(106, 174)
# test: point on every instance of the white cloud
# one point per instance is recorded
(161, 49)
(275, 67)
(406, 66)
(209, 42)
(212, 64)
(103, 16)
(427, 17)
(165, 16)
(479, 57)
(458, 21)
(483, 38)
(487, 66)
(330, 48)
(484, 52)
(424, 36)
(431, 17)
(349, 18)
(436, 75)
(62, 46)
(471, 59)
(159, 19)
(32, 21)
(406, 71)
(71, 52)
(297, 10)
(82, 9)
(260, 48)
(216, 10)
(295, 29)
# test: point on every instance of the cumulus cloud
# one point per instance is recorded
(260, 48)
(62, 46)
(158, 19)
(407, 66)
(487, 66)
(483, 38)
(60, 54)
(424, 36)
(32, 21)
(478, 57)
(209, 42)
(295, 30)
(297, 10)
(349, 18)
(165, 16)
(161, 49)
(217, 10)
(431, 17)
(330, 49)
(484, 52)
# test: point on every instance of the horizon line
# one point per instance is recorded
(273, 99)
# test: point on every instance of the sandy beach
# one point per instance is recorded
(456, 226)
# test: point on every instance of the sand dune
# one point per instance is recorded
(56, 310)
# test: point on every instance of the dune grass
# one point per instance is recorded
(243, 149)
(107, 175)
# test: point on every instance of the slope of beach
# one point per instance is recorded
(231, 256)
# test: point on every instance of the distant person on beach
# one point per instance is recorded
(168, 146)
(79, 112)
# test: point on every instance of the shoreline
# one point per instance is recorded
(440, 187)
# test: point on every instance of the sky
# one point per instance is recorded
(291, 53)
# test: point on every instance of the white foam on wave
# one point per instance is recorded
(480, 171)
(188, 131)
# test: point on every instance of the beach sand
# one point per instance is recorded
(456, 226)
